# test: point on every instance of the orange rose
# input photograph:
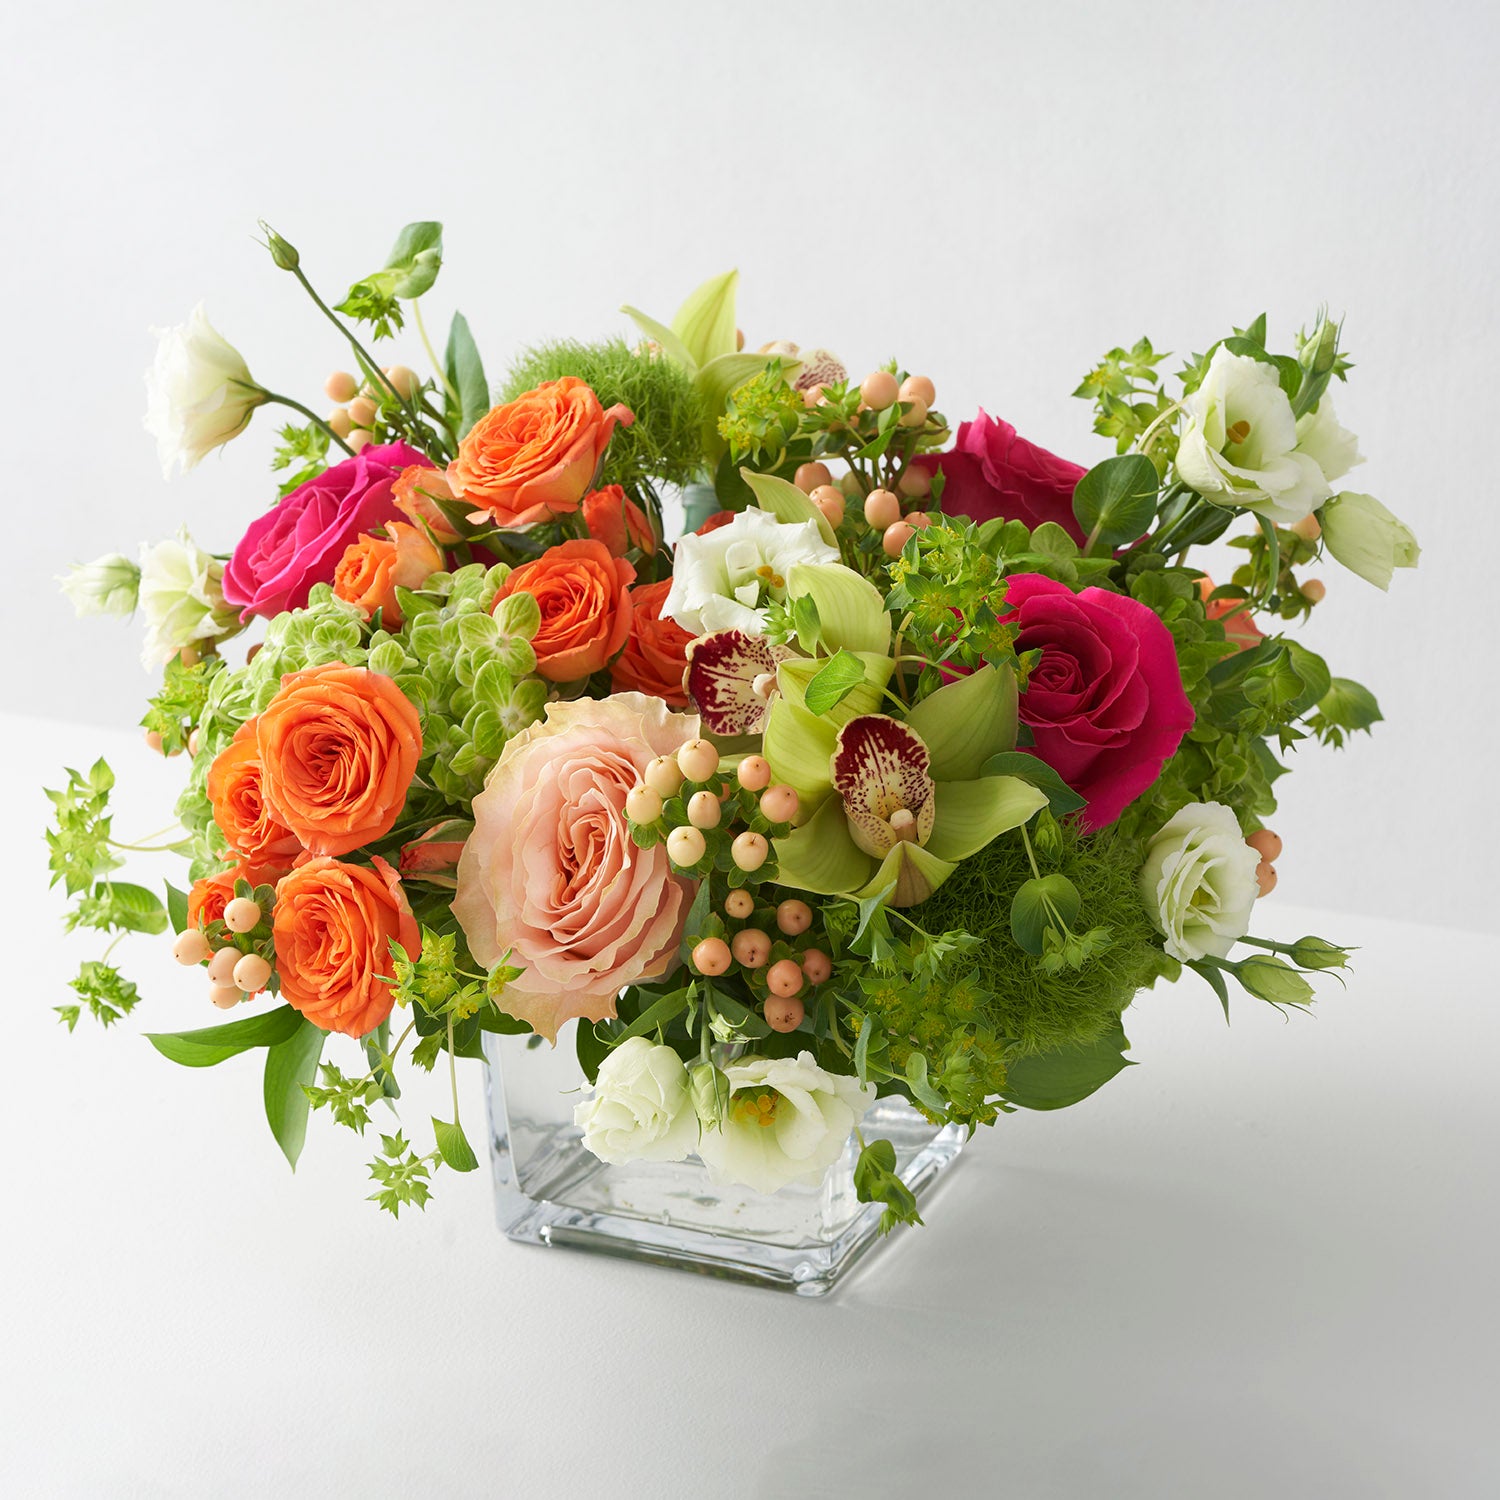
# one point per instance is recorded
(372, 567)
(655, 656)
(236, 789)
(1239, 627)
(585, 601)
(618, 522)
(416, 491)
(535, 457)
(339, 746)
(333, 928)
(210, 895)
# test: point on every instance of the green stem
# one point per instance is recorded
(312, 416)
(437, 364)
(453, 1072)
(1026, 839)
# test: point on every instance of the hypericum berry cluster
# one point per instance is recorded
(356, 418)
(768, 944)
(238, 947)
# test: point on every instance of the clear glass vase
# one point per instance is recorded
(549, 1190)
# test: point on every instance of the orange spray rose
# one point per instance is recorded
(236, 789)
(372, 567)
(585, 602)
(416, 490)
(535, 457)
(655, 656)
(333, 927)
(339, 746)
(613, 518)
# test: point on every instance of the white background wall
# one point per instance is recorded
(995, 192)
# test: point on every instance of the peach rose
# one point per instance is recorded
(611, 517)
(339, 746)
(236, 790)
(550, 873)
(416, 491)
(535, 457)
(584, 595)
(372, 567)
(333, 928)
(655, 656)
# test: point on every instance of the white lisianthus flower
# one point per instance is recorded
(106, 586)
(727, 579)
(1334, 449)
(1199, 881)
(787, 1122)
(1364, 536)
(1239, 443)
(199, 393)
(182, 598)
(641, 1108)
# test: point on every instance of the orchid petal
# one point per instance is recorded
(721, 673)
(820, 856)
(880, 771)
(786, 502)
(851, 610)
(705, 321)
(799, 746)
(971, 813)
(967, 721)
(911, 874)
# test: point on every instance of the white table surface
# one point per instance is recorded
(1261, 1263)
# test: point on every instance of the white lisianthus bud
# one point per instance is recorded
(199, 393)
(182, 598)
(641, 1108)
(106, 586)
(1199, 881)
(1363, 535)
(1239, 442)
(1334, 449)
(787, 1122)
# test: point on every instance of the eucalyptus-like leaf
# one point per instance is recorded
(1115, 501)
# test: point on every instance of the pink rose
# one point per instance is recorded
(299, 542)
(992, 471)
(551, 874)
(1105, 702)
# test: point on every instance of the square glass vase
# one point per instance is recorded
(551, 1190)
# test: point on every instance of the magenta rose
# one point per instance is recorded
(1104, 702)
(992, 471)
(299, 542)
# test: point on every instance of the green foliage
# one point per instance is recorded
(409, 271)
(1066, 1075)
(103, 991)
(79, 839)
(1129, 399)
(664, 444)
(1034, 1008)
(403, 1176)
(1115, 502)
(290, 1067)
(211, 1045)
(875, 1181)
(762, 420)
(179, 704)
(346, 1099)
(303, 450)
(1346, 708)
(465, 376)
(116, 906)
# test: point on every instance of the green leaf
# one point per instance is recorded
(454, 1146)
(786, 502)
(661, 1010)
(1116, 500)
(1215, 983)
(135, 909)
(833, 682)
(202, 1049)
(876, 1181)
(1054, 1080)
(1042, 905)
(177, 907)
(417, 256)
(291, 1065)
(591, 1049)
(465, 372)
(1061, 798)
(715, 381)
(922, 1090)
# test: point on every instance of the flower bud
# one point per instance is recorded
(284, 254)
(1319, 953)
(107, 586)
(709, 1090)
(1363, 535)
(1320, 348)
(1270, 978)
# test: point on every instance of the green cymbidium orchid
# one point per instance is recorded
(892, 806)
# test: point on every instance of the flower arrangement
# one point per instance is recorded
(901, 771)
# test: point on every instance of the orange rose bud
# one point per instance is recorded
(535, 457)
(415, 491)
(210, 895)
(655, 657)
(434, 856)
(339, 746)
(333, 928)
(617, 521)
(1238, 626)
(251, 828)
(585, 601)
